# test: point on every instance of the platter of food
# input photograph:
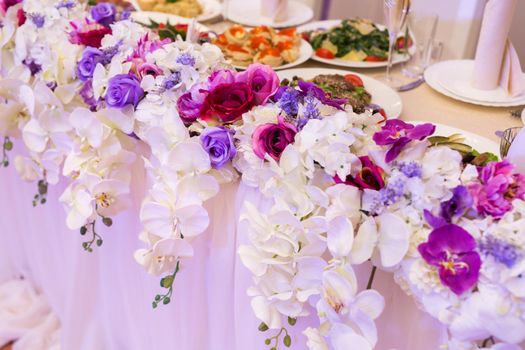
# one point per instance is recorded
(202, 10)
(169, 26)
(280, 49)
(362, 92)
(356, 43)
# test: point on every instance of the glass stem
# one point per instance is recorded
(392, 43)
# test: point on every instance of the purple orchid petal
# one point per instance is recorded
(434, 221)
(465, 274)
(420, 132)
(396, 149)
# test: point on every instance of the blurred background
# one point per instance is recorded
(459, 20)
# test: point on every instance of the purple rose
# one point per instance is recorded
(104, 13)
(228, 102)
(218, 142)
(190, 104)
(86, 66)
(262, 79)
(123, 90)
(452, 250)
(497, 188)
(272, 139)
(397, 134)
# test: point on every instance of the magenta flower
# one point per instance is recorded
(451, 249)
(262, 79)
(370, 176)
(220, 77)
(272, 139)
(397, 134)
(497, 188)
(191, 104)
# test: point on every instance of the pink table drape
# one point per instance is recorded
(103, 299)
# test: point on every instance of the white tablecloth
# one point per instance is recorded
(103, 299)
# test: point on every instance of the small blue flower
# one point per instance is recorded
(110, 52)
(501, 251)
(411, 169)
(392, 192)
(289, 102)
(186, 59)
(38, 19)
(310, 112)
(66, 4)
(172, 80)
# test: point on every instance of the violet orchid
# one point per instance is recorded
(452, 250)
(397, 134)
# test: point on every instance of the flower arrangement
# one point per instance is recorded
(93, 95)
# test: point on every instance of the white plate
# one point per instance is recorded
(305, 52)
(456, 75)
(211, 9)
(344, 63)
(145, 17)
(434, 78)
(479, 143)
(247, 12)
(382, 95)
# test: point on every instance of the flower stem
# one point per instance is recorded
(371, 278)
(166, 282)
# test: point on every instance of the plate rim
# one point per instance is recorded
(201, 17)
(306, 19)
(179, 19)
(361, 75)
(305, 45)
(435, 85)
(351, 64)
(466, 133)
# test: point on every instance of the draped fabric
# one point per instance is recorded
(103, 299)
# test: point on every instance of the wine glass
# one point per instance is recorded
(396, 12)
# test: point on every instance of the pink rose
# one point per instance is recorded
(263, 81)
(272, 139)
(220, 77)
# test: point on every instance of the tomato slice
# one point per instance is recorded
(354, 79)
(375, 59)
(324, 53)
(306, 36)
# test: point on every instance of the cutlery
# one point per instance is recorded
(412, 85)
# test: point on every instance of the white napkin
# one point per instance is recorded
(275, 9)
(497, 63)
(516, 152)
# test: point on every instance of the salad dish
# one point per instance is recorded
(354, 43)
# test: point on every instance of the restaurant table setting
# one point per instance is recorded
(259, 181)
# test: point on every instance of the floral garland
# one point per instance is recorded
(91, 94)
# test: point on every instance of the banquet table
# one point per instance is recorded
(103, 299)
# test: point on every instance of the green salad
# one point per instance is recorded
(353, 40)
